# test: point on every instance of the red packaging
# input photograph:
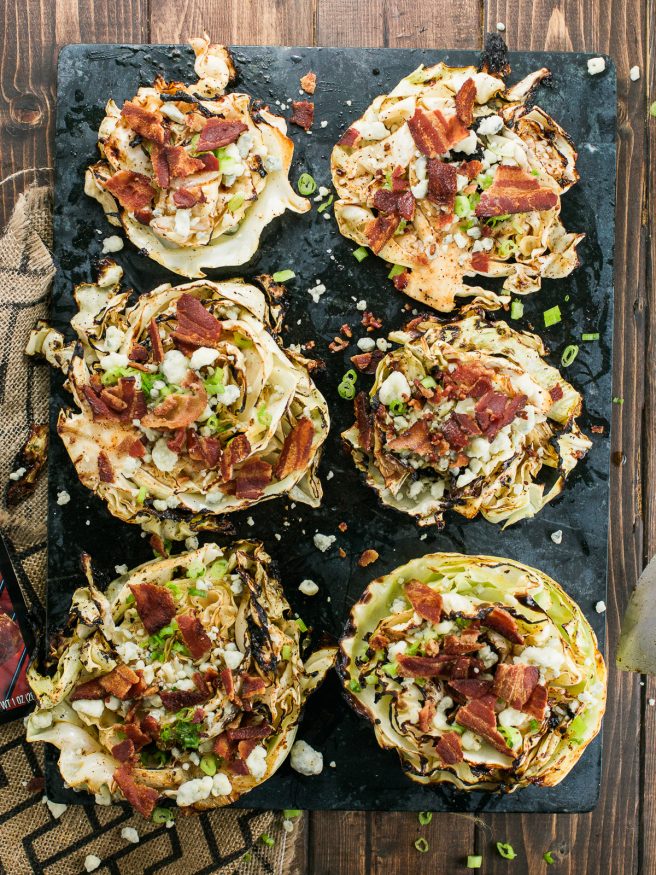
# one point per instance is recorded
(16, 644)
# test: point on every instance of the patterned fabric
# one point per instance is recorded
(32, 840)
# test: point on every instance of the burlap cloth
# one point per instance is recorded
(31, 839)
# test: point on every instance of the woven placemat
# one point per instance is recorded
(32, 840)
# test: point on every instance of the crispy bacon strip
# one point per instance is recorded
(536, 705)
(466, 642)
(367, 362)
(503, 623)
(515, 683)
(480, 262)
(196, 325)
(296, 450)
(219, 132)
(253, 731)
(515, 191)
(364, 421)
(228, 683)
(349, 138)
(210, 161)
(495, 410)
(155, 605)
(252, 478)
(420, 666)
(125, 399)
(155, 342)
(187, 197)
(309, 82)
(449, 749)
(252, 685)
(144, 122)
(136, 734)
(177, 410)
(380, 230)
(465, 102)
(442, 183)
(120, 682)
(181, 163)
(400, 203)
(105, 469)
(425, 719)
(434, 133)
(143, 799)
(194, 635)
(124, 750)
(478, 715)
(201, 449)
(132, 190)
(174, 700)
(88, 690)
(233, 453)
(302, 114)
(470, 169)
(472, 689)
(468, 380)
(416, 439)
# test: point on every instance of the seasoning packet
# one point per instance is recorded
(16, 644)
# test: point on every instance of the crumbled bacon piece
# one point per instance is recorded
(597, 429)
(105, 469)
(188, 197)
(252, 685)
(138, 353)
(196, 325)
(434, 133)
(400, 203)
(132, 190)
(346, 330)
(470, 169)
(349, 138)
(203, 449)
(158, 546)
(466, 642)
(380, 230)
(252, 731)
(219, 132)
(425, 600)
(155, 342)
(155, 605)
(401, 280)
(150, 726)
(364, 421)
(124, 750)
(471, 689)
(515, 191)
(177, 410)
(416, 439)
(181, 163)
(210, 161)
(536, 705)
(142, 798)
(368, 557)
(426, 714)
(136, 734)
(338, 344)
(233, 453)
(503, 623)
(302, 114)
(120, 681)
(367, 362)
(296, 450)
(144, 122)
(479, 716)
(400, 182)
(419, 666)
(495, 410)
(442, 183)
(556, 392)
(465, 102)
(174, 700)
(88, 690)
(126, 401)
(178, 442)
(448, 748)
(480, 262)
(341, 553)
(309, 82)
(454, 434)
(194, 635)
(371, 322)
(228, 683)
(252, 478)
(515, 683)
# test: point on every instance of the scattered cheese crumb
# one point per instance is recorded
(501, 26)
(112, 244)
(121, 569)
(330, 475)
(324, 124)
(309, 587)
(324, 542)
(634, 73)
(600, 607)
(305, 759)
(130, 834)
(17, 474)
(191, 543)
(250, 521)
(317, 292)
(63, 497)
(288, 826)
(557, 537)
(349, 102)
(56, 808)
(91, 862)
(596, 65)
(651, 702)
(366, 344)
(361, 305)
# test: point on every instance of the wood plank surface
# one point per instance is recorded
(620, 836)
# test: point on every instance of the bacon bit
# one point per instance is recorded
(597, 429)
(252, 685)
(416, 439)
(338, 344)
(194, 635)
(470, 169)
(425, 601)
(128, 401)
(368, 558)
(341, 553)
(253, 731)
(401, 280)
(119, 682)
(480, 262)
(196, 325)
(426, 714)
(160, 166)
(219, 132)
(466, 642)
(399, 180)
(177, 410)
(156, 345)
(88, 690)
(132, 190)
(536, 705)
(204, 449)
(448, 747)
(178, 442)
(495, 410)
(233, 453)
(174, 700)
(296, 450)
(364, 421)
(420, 666)
(144, 216)
(143, 799)
(123, 751)
(556, 392)
(210, 161)
(228, 683)
(136, 735)
(400, 203)
(349, 138)
(187, 197)
(309, 82)
(503, 623)
(252, 478)
(479, 716)
(309, 344)
(434, 133)
(515, 683)
(105, 470)
(158, 546)
(99, 408)
(150, 727)
(379, 231)
(442, 183)
(181, 162)
(138, 353)
(371, 322)
(346, 330)
(343, 527)
(514, 191)
(198, 716)
(465, 102)
(367, 362)
(472, 689)
(302, 114)
(36, 784)
(143, 122)
(155, 605)
(471, 380)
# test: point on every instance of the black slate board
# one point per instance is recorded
(364, 777)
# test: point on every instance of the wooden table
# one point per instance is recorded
(620, 836)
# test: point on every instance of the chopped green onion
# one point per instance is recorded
(413, 650)
(569, 354)
(548, 858)
(195, 570)
(387, 185)
(485, 181)
(371, 680)
(533, 725)
(142, 495)
(652, 110)
(179, 647)
(227, 164)
(506, 851)
(395, 271)
(512, 735)
(535, 172)
(429, 383)
(462, 206)
(306, 184)
(400, 228)
(397, 408)
(288, 813)
(235, 202)
(267, 840)
(587, 337)
(552, 316)
(425, 817)
(193, 141)
(162, 815)
(286, 651)
(175, 589)
(516, 309)
(130, 600)
(326, 204)
(618, 400)
(361, 253)
(263, 416)
(422, 845)
(217, 569)
(200, 593)
(208, 764)
(248, 856)
(350, 376)
(354, 686)
(214, 384)
(493, 221)
(462, 622)
(474, 861)
(391, 669)
(456, 727)
(505, 248)
(346, 390)
(214, 424)
(301, 625)
(281, 276)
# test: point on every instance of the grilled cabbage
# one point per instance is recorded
(481, 672)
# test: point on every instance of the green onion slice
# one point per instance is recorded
(548, 858)
(516, 310)
(281, 276)
(350, 376)
(301, 625)
(474, 861)
(208, 764)
(235, 202)
(306, 184)
(346, 389)
(267, 840)
(587, 337)
(162, 815)
(552, 316)
(618, 400)
(422, 845)
(361, 253)
(395, 271)
(425, 817)
(429, 383)
(569, 354)
(506, 851)
(288, 813)
(326, 204)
